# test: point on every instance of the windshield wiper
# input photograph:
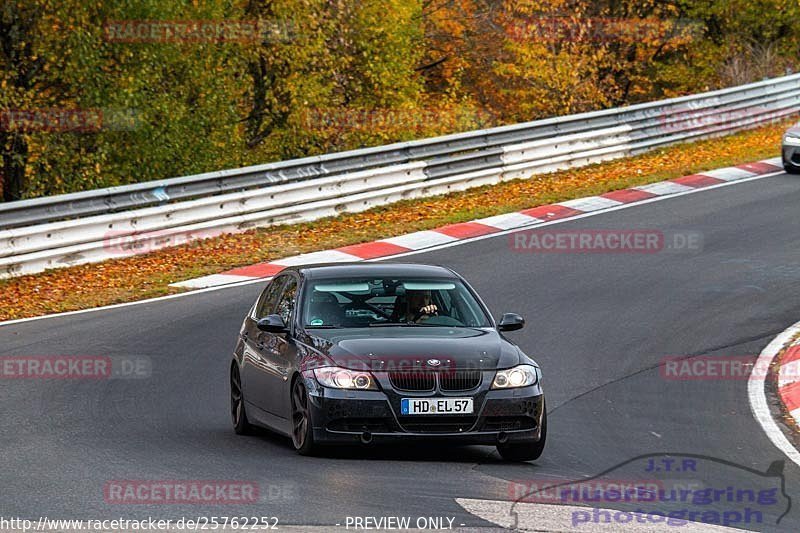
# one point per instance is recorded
(323, 326)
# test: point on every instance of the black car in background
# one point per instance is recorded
(373, 352)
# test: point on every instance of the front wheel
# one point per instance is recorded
(525, 451)
(302, 434)
(791, 169)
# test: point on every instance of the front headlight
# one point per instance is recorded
(519, 376)
(342, 378)
(791, 140)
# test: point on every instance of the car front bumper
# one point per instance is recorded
(791, 156)
(500, 416)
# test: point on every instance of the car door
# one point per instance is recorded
(278, 351)
(255, 372)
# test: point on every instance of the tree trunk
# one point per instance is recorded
(15, 157)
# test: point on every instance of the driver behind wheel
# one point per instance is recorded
(417, 306)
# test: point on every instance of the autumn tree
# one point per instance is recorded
(88, 100)
(84, 108)
(32, 75)
(332, 61)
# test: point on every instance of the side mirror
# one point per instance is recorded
(272, 324)
(511, 322)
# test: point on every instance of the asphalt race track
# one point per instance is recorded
(599, 324)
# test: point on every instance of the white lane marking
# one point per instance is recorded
(208, 281)
(425, 240)
(323, 256)
(413, 252)
(691, 190)
(509, 221)
(663, 188)
(728, 174)
(420, 239)
(756, 391)
(549, 517)
(775, 162)
(591, 203)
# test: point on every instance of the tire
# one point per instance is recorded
(525, 451)
(302, 432)
(238, 414)
(790, 169)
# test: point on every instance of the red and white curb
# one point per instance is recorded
(787, 389)
(789, 379)
(421, 240)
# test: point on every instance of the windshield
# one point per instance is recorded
(356, 303)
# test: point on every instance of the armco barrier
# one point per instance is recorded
(77, 228)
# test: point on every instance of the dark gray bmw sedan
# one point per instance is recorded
(365, 353)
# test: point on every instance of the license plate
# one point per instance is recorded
(436, 406)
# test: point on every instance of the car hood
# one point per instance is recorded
(794, 131)
(393, 348)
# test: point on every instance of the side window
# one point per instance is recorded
(269, 298)
(287, 300)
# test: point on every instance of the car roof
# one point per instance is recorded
(378, 270)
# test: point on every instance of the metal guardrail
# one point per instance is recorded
(94, 225)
